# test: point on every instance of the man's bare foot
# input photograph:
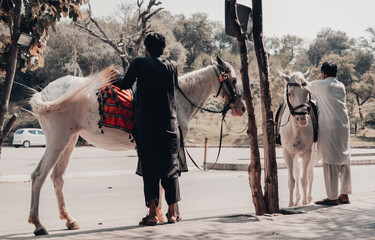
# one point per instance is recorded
(171, 215)
(149, 220)
(173, 219)
(160, 215)
(344, 199)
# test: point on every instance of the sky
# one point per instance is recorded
(303, 18)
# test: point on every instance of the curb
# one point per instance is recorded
(280, 165)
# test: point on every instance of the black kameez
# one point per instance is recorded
(155, 129)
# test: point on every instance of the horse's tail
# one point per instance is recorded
(41, 104)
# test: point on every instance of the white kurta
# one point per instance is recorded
(334, 128)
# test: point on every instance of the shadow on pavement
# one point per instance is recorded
(238, 218)
(302, 209)
(354, 221)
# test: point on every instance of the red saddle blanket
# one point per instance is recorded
(115, 108)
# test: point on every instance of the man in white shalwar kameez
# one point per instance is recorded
(333, 141)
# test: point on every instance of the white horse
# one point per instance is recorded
(296, 130)
(68, 108)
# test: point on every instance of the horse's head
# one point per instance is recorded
(227, 87)
(297, 97)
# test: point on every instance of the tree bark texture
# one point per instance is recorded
(8, 127)
(11, 70)
(270, 164)
(254, 168)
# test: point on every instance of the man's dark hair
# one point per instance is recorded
(155, 44)
(329, 68)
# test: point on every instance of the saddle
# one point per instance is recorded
(115, 108)
(313, 115)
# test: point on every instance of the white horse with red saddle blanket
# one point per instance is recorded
(297, 136)
(68, 108)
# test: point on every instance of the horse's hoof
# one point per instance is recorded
(72, 225)
(40, 232)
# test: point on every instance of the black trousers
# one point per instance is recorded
(151, 190)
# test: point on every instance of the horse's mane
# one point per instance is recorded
(188, 82)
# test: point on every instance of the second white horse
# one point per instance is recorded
(296, 131)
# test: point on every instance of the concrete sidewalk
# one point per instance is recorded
(350, 221)
(106, 197)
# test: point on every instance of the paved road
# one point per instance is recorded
(105, 196)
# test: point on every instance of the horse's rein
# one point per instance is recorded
(223, 77)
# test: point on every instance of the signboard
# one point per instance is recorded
(244, 14)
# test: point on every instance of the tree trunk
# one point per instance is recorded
(254, 168)
(10, 72)
(270, 165)
(359, 106)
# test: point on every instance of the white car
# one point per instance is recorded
(27, 137)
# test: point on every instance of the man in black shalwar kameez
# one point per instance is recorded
(155, 128)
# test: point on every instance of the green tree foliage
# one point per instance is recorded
(285, 49)
(362, 61)
(327, 42)
(195, 34)
(363, 90)
(368, 42)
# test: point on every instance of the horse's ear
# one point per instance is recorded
(286, 77)
(213, 62)
(307, 73)
(220, 61)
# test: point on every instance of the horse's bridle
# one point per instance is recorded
(303, 105)
(223, 77)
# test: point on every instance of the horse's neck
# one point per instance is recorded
(197, 86)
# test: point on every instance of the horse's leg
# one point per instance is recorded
(58, 183)
(310, 174)
(306, 157)
(291, 181)
(38, 177)
(297, 174)
(54, 149)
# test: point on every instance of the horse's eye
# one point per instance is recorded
(234, 82)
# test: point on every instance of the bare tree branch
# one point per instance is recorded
(136, 38)
(153, 13)
(96, 23)
(105, 40)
